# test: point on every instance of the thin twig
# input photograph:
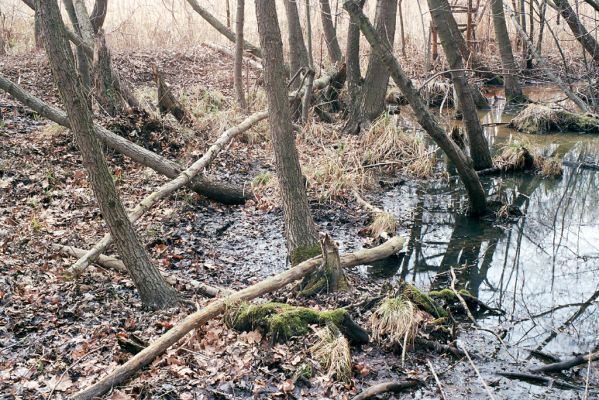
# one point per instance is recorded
(480, 377)
(430, 366)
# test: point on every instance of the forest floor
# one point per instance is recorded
(59, 335)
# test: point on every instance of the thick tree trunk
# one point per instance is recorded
(449, 33)
(238, 64)
(298, 55)
(300, 230)
(219, 26)
(478, 203)
(377, 76)
(585, 38)
(330, 35)
(126, 371)
(83, 59)
(513, 90)
(99, 14)
(153, 290)
(352, 57)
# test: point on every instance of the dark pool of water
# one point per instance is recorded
(541, 268)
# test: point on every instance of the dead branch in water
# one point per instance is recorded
(386, 387)
(146, 356)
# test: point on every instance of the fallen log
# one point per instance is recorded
(539, 379)
(217, 307)
(228, 52)
(385, 387)
(219, 26)
(566, 364)
(204, 185)
(117, 265)
(168, 188)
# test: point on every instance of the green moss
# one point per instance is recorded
(280, 320)
(422, 300)
(304, 253)
(449, 295)
(303, 372)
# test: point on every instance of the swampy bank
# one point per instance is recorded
(535, 265)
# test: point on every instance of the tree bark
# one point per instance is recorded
(298, 55)
(167, 102)
(300, 230)
(478, 203)
(307, 99)
(330, 35)
(204, 185)
(352, 57)
(83, 59)
(238, 64)
(513, 90)
(110, 100)
(377, 76)
(153, 289)
(583, 36)
(448, 32)
(126, 371)
(219, 26)
(98, 15)
(170, 187)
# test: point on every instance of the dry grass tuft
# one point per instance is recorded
(540, 119)
(515, 156)
(383, 223)
(551, 167)
(395, 321)
(333, 353)
(392, 149)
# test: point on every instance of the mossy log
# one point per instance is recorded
(282, 321)
(422, 300)
(329, 277)
(539, 119)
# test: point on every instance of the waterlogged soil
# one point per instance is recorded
(59, 335)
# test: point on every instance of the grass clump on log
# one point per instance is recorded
(395, 321)
(539, 119)
(333, 353)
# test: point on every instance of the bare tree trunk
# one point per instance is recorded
(153, 289)
(401, 27)
(448, 31)
(99, 14)
(300, 230)
(330, 35)
(219, 26)
(83, 62)
(238, 76)
(354, 75)
(307, 100)
(298, 55)
(580, 32)
(478, 203)
(109, 99)
(228, 10)
(542, 22)
(513, 90)
(377, 76)
(37, 28)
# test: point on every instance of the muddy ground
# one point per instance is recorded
(59, 335)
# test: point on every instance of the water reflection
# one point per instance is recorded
(542, 269)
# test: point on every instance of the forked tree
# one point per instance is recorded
(513, 89)
(449, 33)
(153, 289)
(298, 54)
(300, 229)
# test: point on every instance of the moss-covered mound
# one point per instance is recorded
(539, 119)
(282, 321)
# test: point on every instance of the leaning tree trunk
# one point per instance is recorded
(238, 64)
(377, 76)
(513, 90)
(98, 14)
(298, 55)
(300, 230)
(580, 32)
(109, 99)
(330, 35)
(83, 62)
(478, 203)
(153, 289)
(448, 31)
